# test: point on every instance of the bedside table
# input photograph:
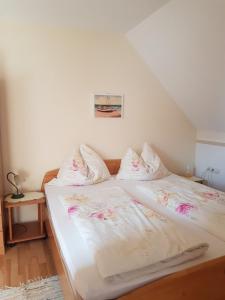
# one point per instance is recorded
(21, 232)
(195, 179)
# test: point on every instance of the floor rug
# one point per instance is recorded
(44, 289)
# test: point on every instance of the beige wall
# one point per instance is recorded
(2, 250)
(47, 78)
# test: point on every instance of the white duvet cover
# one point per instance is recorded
(124, 235)
(201, 204)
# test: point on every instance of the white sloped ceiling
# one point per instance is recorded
(104, 15)
(184, 44)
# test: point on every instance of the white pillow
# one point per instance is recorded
(74, 171)
(133, 167)
(97, 169)
(153, 162)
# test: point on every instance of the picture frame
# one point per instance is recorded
(108, 105)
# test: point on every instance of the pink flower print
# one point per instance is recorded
(163, 198)
(135, 164)
(98, 215)
(103, 215)
(184, 208)
(211, 195)
(109, 212)
(72, 209)
(136, 201)
(75, 166)
(153, 214)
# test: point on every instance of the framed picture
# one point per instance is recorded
(108, 106)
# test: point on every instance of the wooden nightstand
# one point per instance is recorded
(196, 179)
(21, 232)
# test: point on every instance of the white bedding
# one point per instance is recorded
(201, 204)
(80, 263)
(125, 235)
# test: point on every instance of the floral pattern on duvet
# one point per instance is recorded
(173, 201)
(99, 210)
(122, 233)
(200, 203)
(149, 213)
(216, 196)
(184, 196)
(203, 193)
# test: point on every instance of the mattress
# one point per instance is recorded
(79, 262)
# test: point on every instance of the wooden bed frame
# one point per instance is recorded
(205, 281)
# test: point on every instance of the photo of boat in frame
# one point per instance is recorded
(108, 106)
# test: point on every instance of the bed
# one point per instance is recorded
(202, 278)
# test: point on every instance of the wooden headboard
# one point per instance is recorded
(112, 164)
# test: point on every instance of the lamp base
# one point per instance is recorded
(17, 196)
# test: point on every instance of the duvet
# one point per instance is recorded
(201, 204)
(124, 235)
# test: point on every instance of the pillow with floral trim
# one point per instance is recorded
(133, 167)
(97, 169)
(74, 171)
(153, 162)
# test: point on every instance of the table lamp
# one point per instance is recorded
(14, 180)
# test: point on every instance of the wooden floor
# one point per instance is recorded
(26, 261)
